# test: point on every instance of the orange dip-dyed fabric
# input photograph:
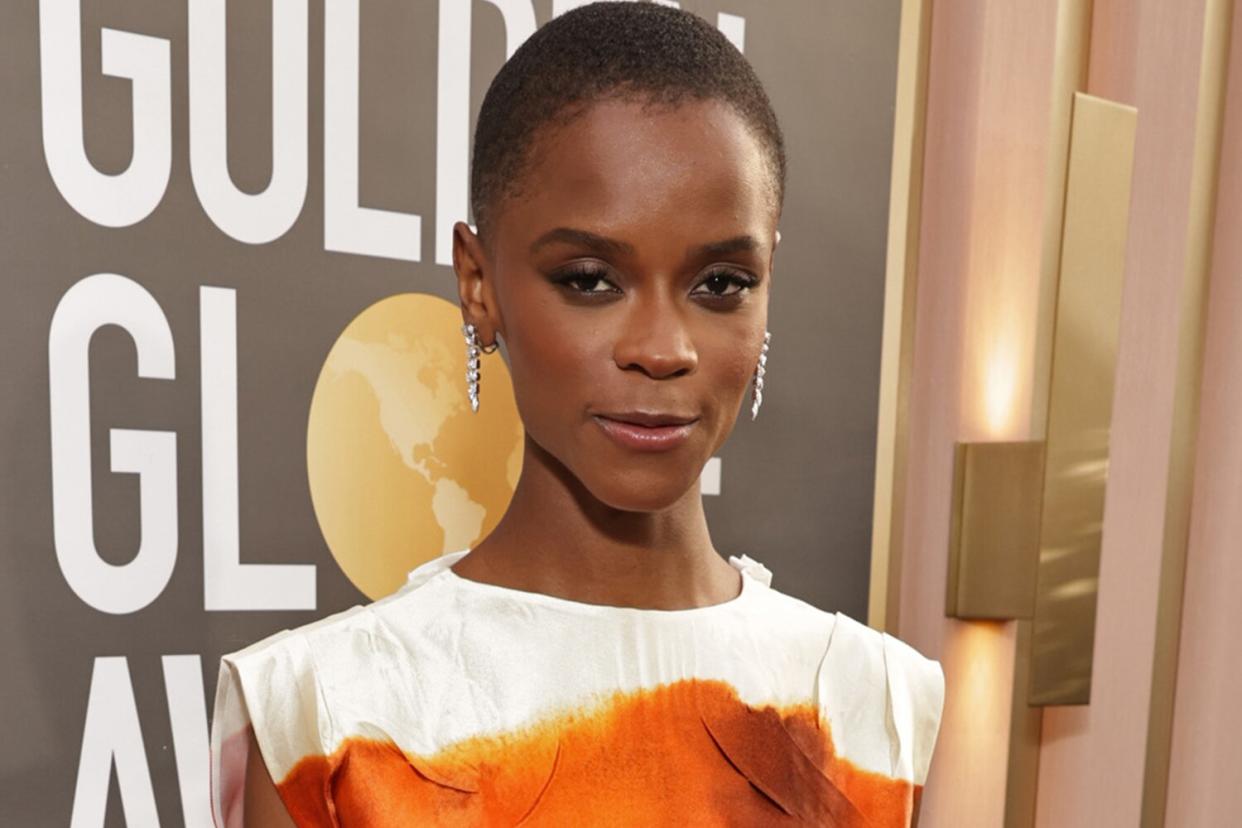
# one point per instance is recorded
(459, 703)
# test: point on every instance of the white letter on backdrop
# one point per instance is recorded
(228, 584)
(733, 26)
(265, 216)
(112, 734)
(93, 302)
(347, 226)
(453, 108)
(187, 712)
(108, 200)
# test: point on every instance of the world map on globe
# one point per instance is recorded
(400, 469)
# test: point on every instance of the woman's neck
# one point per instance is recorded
(558, 539)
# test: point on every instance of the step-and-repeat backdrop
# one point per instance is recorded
(232, 378)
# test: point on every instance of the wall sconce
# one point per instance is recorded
(1027, 516)
(994, 534)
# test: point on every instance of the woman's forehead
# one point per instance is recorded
(622, 162)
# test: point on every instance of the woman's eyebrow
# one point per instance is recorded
(605, 245)
(585, 238)
(737, 244)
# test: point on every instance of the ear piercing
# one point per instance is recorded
(757, 391)
(473, 349)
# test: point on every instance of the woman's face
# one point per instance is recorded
(629, 278)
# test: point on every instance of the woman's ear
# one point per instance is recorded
(474, 283)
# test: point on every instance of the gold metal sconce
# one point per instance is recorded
(1027, 517)
(994, 535)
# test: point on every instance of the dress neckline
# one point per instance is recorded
(755, 577)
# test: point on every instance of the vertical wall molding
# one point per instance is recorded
(1071, 60)
(900, 294)
(1192, 322)
(1069, 75)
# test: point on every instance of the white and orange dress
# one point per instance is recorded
(456, 702)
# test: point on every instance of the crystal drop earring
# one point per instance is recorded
(757, 391)
(473, 349)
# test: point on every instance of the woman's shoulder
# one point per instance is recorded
(281, 686)
(850, 640)
(884, 699)
(416, 595)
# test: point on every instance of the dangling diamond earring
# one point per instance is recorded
(473, 349)
(757, 391)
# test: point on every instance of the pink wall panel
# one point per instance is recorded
(1207, 724)
(986, 141)
(1092, 758)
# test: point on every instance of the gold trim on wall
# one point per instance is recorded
(900, 291)
(1069, 75)
(1080, 399)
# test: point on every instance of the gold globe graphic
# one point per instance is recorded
(400, 470)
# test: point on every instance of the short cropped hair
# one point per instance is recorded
(629, 50)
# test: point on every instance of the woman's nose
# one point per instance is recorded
(654, 339)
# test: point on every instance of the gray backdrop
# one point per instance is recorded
(796, 485)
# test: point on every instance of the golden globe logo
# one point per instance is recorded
(400, 470)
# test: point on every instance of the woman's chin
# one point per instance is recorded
(643, 492)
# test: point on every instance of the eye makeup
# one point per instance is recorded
(720, 286)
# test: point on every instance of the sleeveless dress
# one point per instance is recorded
(455, 702)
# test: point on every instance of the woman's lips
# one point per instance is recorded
(645, 438)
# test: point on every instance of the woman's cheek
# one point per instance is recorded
(546, 381)
(735, 374)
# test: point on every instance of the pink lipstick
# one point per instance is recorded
(646, 431)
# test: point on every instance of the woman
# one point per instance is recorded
(594, 660)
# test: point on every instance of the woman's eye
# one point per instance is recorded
(588, 282)
(725, 283)
(721, 284)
